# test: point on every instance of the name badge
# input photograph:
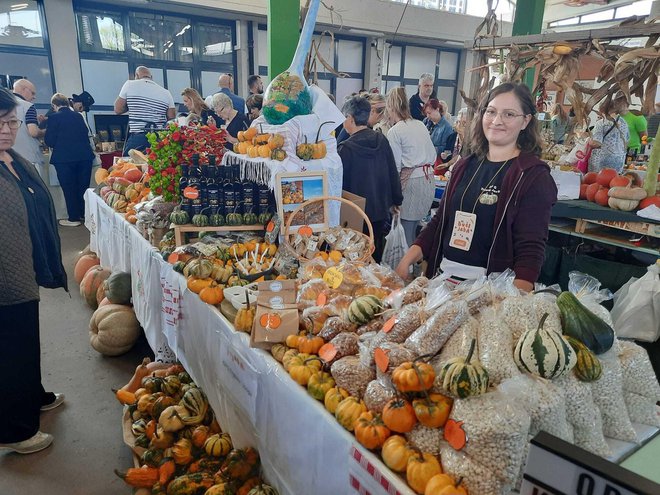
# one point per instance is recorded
(463, 231)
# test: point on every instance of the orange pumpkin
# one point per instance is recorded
(433, 411)
(395, 453)
(275, 141)
(421, 467)
(292, 341)
(90, 284)
(213, 294)
(253, 151)
(370, 430)
(85, 262)
(413, 377)
(443, 484)
(264, 151)
(199, 436)
(196, 285)
(310, 343)
(399, 415)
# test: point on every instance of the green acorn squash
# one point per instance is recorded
(118, 288)
(581, 324)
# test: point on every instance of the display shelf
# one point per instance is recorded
(603, 234)
(181, 230)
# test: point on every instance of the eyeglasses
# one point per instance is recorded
(12, 124)
(506, 116)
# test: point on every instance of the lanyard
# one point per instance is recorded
(474, 207)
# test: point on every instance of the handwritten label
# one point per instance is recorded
(171, 304)
(333, 277)
(463, 231)
(312, 245)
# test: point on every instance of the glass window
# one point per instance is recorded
(103, 79)
(346, 87)
(418, 61)
(392, 57)
(638, 8)
(262, 47)
(605, 15)
(100, 33)
(350, 55)
(177, 81)
(20, 23)
(161, 37)
(210, 82)
(15, 66)
(448, 65)
(324, 84)
(216, 43)
(446, 94)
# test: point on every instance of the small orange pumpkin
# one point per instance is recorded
(213, 294)
(443, 484)
(399, 415)
(196, 285)
(395, 453)
(433, 411)
(413, 376)
(421, 467)
(310, 343)
(370, 430)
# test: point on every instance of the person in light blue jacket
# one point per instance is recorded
(439, 127)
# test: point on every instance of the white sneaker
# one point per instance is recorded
(34, 444)
(59, 399)
(67, 223)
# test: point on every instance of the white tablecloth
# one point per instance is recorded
(303, 449)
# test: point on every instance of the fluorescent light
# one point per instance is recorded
(19, 6)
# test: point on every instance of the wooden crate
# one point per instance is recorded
(181, 230)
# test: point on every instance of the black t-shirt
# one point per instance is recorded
(238, 123)
(483, 181)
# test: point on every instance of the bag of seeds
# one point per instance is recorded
(519, 315)
(436, 330)
(350, 375)
(377, 395)
(641, 409)
(638, 374)
(476, 477)
(548, 408)
(495, 347)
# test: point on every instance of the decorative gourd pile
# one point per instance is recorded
(182, 449)
(255, 143)
(121, 188)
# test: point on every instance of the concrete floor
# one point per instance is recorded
(88, 441)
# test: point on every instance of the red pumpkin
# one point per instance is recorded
(583, 191)
(592, 189)
(601, 196)
(90, 284)
(84, 264)
(651, 200)
(590, 178)
(605, 176)
(620, 181)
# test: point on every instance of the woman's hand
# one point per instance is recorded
(523, 285)
(413, 255)
(231, 139)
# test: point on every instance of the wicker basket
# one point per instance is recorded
(369, 238)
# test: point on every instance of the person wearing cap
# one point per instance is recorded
(82, 102)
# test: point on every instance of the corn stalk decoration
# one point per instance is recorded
(628, 71)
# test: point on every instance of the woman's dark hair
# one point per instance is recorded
(529, 139)
(7, 101)
(359, 108)
(254, 101)
(433, 104)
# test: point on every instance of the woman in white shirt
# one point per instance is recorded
(414, 155)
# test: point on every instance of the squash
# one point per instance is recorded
(227, 487)
(83, 265)
(348, 411)
(139, 427)
(587, 367)
(278, 351)
(631, 193)
(200, 220)
(370, 430)
(245, 316)
(364, 309)
(199, 436)
(213, 294)
(250, 218)
(198, 267)
(263, 489)
(399, 415)
(90, 284)
(179, 216)
(395, 453)
(544, 353)
(581, 324)
(206, 464)
(162, 439)
(463, 378)
(195, 401)
(113, 329)
(413, 376)
(171, 419)
(333, 397)
(275, 141)
(278, 154)
(161, 404)
(118, 288)
(319, 384)
(443, 484)
(218, 445)
(144, 477)
(319, 149)
(302, 367)
(216, 219)
(234, 219)
(287, 359)
(240, 464)
(182, 452)
(171, 385)
(420, 469)
(152, 457)
(309, 343)
(305, 151)
(623, 204)
(190, 484)
(166, 470)
(196, 285)
(433, 410)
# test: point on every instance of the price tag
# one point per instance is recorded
(330, 238)
(463, 231)
(321, 299)
(389, 324)
(382, 359)
(191, 192)
(305, 230)
(353, 255)
(333, 277)
(327, 352)
(455, 434)
(312, 245)
(297, 240)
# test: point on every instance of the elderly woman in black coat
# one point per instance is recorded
(30, 245)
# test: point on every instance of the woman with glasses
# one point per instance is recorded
(495, 212)
(195, 105)
(30, 246)
(234, 120)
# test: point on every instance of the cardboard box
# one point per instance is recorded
(349, 217)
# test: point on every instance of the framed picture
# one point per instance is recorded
(294, 188)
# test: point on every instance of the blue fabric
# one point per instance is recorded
(74, 178)
(137, 141)
(439, 132)
(68, 135)
(46, 255)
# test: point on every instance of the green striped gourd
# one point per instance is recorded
(462, 377)
(545, 353)
(587, 368)
(363, 309)
(196, 402)
(218, 445)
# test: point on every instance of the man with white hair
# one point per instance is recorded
(28, 135)
(226, 85)
(425, 92)
(148, 105)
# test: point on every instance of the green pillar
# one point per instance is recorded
(528, 19)
(283, 34)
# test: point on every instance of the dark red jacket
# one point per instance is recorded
(521, 220)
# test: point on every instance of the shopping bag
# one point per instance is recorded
(636, 311)
(395, 244)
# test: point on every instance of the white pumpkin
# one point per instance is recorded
(544, 353)
(113, 329)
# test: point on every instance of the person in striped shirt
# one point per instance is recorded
(148, 105)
